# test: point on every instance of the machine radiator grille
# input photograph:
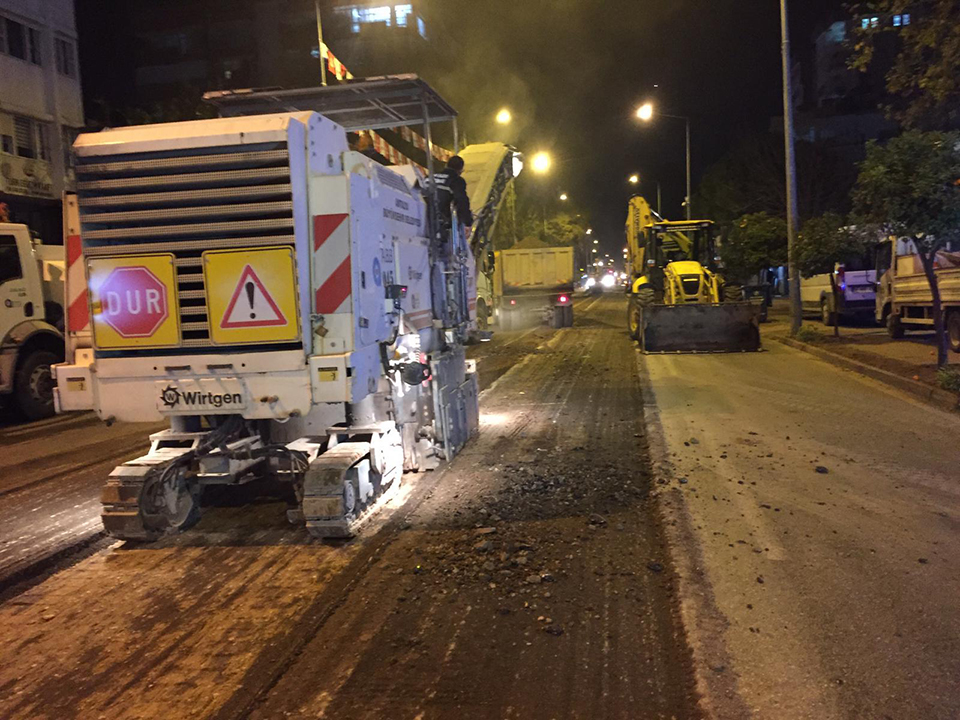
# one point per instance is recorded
(185, 202)
(691, 284)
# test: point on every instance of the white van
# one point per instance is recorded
(857, 283)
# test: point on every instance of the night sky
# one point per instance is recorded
(573, 72)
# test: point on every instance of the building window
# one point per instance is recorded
(16, 39)
(34, 36)
(6, 144)
(64, 53)
(20, 41)
(897, 20)
(402, 12)
(906, 18)
(421, 28)
(30, 139)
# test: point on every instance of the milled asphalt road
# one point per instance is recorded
(816, 519)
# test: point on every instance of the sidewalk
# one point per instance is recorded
(911, 361)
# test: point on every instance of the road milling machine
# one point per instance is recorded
(291, 307)
(678, 301)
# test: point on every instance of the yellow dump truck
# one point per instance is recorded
(532, 285)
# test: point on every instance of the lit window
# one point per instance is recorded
(363, 15)
(421, 28)
(865, 23)
(897, 20)
(874, 22)
(402, 11)
(906, 18)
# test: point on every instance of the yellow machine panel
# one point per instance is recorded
(133, 301)
(251, 295)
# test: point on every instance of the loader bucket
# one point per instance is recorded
(721, 327)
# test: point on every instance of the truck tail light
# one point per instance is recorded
(563, 299)
(513, 302)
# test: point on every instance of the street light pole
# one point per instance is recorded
(689, 200)
(323, 62)
(791, 173)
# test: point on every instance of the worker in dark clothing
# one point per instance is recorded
(452, 190)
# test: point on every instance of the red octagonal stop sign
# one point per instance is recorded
(134, 302)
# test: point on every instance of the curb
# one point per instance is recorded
(940, 399)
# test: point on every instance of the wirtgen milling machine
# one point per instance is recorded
(282, 302)
(678, 300)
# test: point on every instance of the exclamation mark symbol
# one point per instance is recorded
(250, 289)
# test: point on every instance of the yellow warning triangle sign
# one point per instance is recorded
(251, 306)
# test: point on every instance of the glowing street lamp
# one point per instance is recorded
(563, 196)
(589, 231)
(541, 163)
(504, 117)
(634, 179)
(645, 113)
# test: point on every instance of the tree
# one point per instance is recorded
(749, 179)
(909, 188)
(754, 243)
(922, 74)
(823, 242)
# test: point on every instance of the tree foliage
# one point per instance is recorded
(750, 179)
(754, 242)
(923, 73)
(825, 241)
(909, 188)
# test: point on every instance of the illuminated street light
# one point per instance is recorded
(563, 196)
(504, 117)
(596, 242)
(541, 163)
(634, 179)
(589, 231)
(645, 113)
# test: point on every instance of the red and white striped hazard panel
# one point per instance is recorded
(78, 315)
(331, 249)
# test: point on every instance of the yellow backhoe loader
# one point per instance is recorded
(678, 300)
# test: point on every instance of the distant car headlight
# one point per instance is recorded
(590, 282)
(608, 281)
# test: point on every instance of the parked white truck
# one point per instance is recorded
(282, 302)
(31, 319)
(904, 301)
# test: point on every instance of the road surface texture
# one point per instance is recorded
(51, 472)
(814, 520)
(527, 579)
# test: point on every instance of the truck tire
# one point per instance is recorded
(33, 385)
(894, 326)
(568, 316)
(828, 316)
(953, 330)
(647, 295)
(732, 293)
(634, 318)
(483, 318)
